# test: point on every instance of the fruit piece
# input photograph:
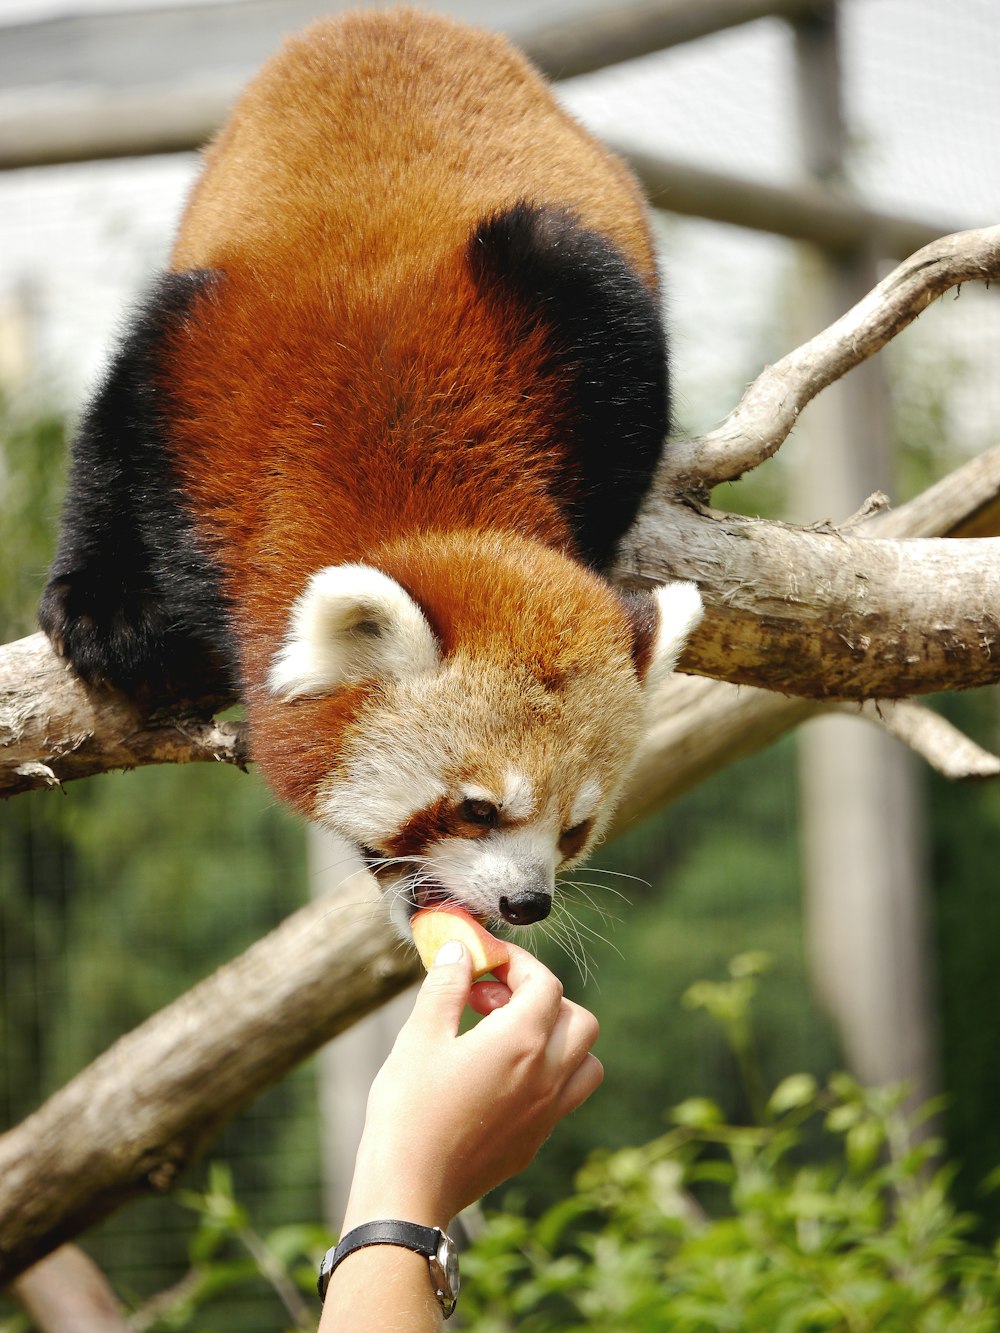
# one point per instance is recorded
(434, 926)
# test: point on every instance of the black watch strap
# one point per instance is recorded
(387, 1231)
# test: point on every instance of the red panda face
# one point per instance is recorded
(479, 760)
(479, 784)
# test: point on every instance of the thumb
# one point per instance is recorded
(445, 990)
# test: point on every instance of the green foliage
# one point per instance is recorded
(862, 1236)
(227, 1255)
(31, 484)
(964, 854)
(226, 1252)
(711, 1227)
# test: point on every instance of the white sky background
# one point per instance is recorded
(923, 89)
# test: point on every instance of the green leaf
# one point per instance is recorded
(792, 1093)
(841, 1118)
(698, 1113)
(863, 1142)
(753, 963)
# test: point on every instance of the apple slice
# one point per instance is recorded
(434, 926)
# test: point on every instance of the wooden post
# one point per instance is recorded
(346, 1066)
(862, 824)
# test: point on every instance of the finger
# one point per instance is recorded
(536, 993)
(486, 996)
(573, 1035)
(581, 1084)
(445, 991)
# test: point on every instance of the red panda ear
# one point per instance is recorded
(352, 623)
(661, 622)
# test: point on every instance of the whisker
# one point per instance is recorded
(618, 874)
(582, 897)
(563, 930)
(601, 888)
(575, 893)
(575, 946)
(597, 936)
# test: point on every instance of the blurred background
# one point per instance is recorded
(793, 152)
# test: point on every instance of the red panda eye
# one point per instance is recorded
(572, 839)
(483, 813)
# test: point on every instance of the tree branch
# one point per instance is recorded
(827, 614)
(696, 728)
(68, 1293)
(931, 736)
(965, 503)
(130, 1122)
(768, 410)
(54, 728)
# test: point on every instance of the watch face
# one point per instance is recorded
(448, 1256)
(445, 1269)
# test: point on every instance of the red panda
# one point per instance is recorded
(366, 452)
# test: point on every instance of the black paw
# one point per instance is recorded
(109, 633)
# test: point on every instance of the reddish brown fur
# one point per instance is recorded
(342, 237)
(505, 602)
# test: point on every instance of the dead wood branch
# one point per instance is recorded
(931, 736)
(131, 1121)
(52, 728)
(67, 1293)
(834, 614)
(827, 614)
(965, 503)
(697, 727)
(760, 423)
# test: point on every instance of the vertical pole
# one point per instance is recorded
(346, 1067)
(862, 821)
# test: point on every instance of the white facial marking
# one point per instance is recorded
(588, 798)
(518, 795)
(471, 792)
(480, 871)
(374, 803)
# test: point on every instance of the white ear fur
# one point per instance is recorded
(678, 610)
(351, 623)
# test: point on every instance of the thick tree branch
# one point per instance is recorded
(53, 728)
(68, 1293)
(697, 727)
(827, 614)
(137, 1116)
(965, 503)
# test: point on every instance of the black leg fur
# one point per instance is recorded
(608, 335)
(131, 600)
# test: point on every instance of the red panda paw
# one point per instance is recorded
(110, 634)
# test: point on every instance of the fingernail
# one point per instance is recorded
(449, 953)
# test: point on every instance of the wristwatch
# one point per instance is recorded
(439, 1249)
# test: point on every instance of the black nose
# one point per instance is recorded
(525, 908)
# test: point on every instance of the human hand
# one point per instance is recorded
(452, 1115)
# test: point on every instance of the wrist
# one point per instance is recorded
(400, 1244)
(385, 1187)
